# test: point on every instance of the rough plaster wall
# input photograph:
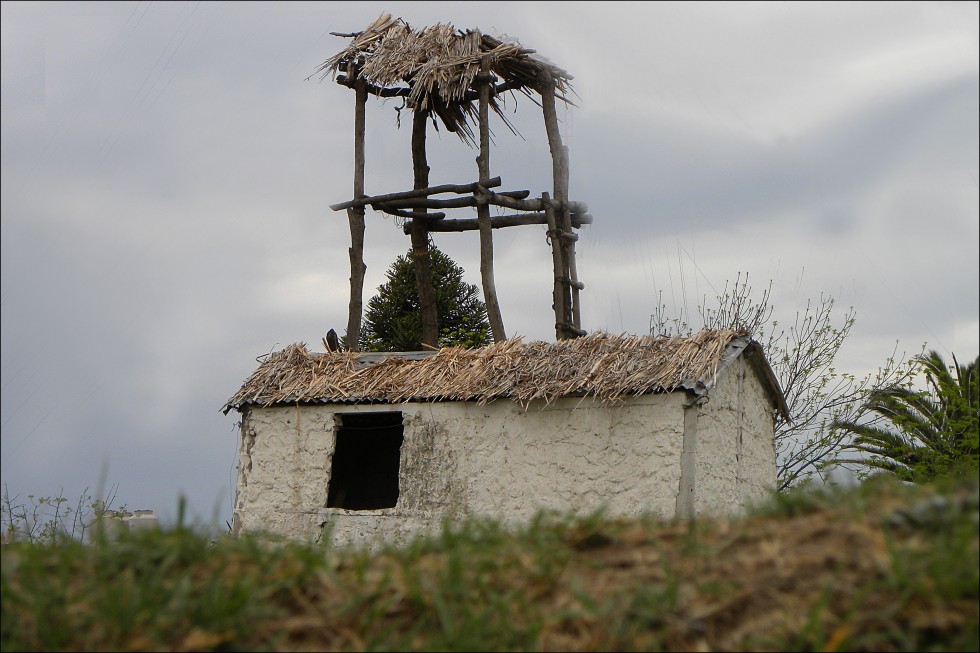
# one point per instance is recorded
(758, 446)
(736, 460)
(460, 458)
(573, 454)
(430, 488)
(245, 445)
(284, 456)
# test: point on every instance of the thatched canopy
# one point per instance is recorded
(605, 366)
(435, 68)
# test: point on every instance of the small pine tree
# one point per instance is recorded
(393, 320)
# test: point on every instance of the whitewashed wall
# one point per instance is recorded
(499, 460)
(736, 456)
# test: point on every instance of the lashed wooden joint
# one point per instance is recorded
(481, 196)
(572, 283)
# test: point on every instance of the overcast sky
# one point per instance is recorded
(167, 171)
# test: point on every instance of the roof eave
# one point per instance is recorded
(755, 354)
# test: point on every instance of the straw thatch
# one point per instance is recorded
(605, 366)
(435, 68)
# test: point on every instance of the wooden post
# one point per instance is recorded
(420, 238)
(483, 210)
(559, 165)
(569, 247)
(355, 217)
(559, 168)
(559, 263)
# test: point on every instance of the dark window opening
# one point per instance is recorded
(364, 472)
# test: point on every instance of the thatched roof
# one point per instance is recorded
(435, 68)
(605, 366)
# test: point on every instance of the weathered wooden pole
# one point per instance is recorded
(483, 209)
(558, 302)
(559, 168)
(568, 239)
(420, 238)
(355, 217)
(497, 222)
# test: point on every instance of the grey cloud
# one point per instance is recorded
(689, 180)
(162, 224)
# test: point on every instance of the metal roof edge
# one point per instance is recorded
(369, 358)
(754, 353)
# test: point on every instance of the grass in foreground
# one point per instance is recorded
(885, 567)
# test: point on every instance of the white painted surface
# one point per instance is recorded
(736, 457)
(498, 460)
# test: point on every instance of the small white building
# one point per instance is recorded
(368, 447)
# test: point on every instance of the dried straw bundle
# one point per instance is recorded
(439, 65)
(602, 365)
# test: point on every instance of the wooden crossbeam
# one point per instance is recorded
(454, 203)
(413, 215)
(497, 222)
(419, 192)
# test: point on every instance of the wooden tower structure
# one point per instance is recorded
(455, 77)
